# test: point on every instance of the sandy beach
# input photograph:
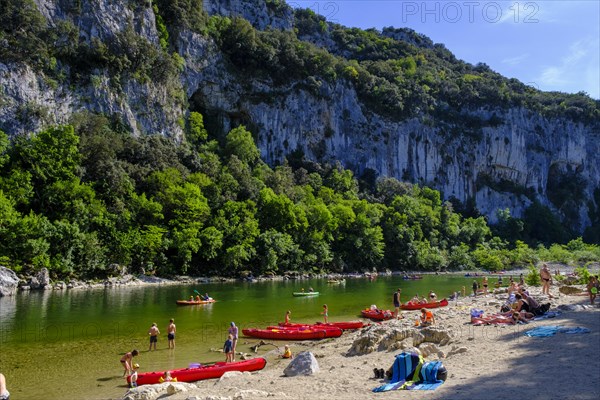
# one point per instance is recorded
(483, 362)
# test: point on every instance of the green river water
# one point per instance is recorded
(67, 345)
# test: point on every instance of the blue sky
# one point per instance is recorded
(549, 44)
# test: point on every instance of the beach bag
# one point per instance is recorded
(442, 373)
(476, 313)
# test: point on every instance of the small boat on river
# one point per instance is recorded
(300, 294)
(412, 277)
(418, 306)
(202, 372)
(293, 334)
(194, 302)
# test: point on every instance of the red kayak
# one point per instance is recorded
(292, 334)
(379, 315)
(342, 325)
(203, 372)
(418, 306)
(194, 302)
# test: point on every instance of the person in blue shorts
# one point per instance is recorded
(171, 329)
(228, 349)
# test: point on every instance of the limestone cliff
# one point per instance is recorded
(509, 160)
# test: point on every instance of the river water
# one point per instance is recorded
(67, 345)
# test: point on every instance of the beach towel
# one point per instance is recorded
(545, 331)
(549, 314)
(542, 331)
(405, 366)
(577, 329)
(428, 377)
(410, 365)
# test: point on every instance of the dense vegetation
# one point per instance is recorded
(77, 198)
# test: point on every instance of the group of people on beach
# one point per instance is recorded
(131, 369)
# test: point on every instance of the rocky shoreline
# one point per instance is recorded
(10, 282)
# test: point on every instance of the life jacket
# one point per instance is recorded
(428, 316)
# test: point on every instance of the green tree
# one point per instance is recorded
(197, 134)
(239, 142)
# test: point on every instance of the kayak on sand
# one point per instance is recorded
(202, 372)
(418, 306)
(376, 314)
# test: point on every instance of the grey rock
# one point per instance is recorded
(8, 282)
(304, 363)
(389, 337)
(456, 350)
(43, 277)
(428, 349)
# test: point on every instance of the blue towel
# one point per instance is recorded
(548, 314)
(545, 331)
(428, 377)
(542, 331)
(403, 368)
(577, 329)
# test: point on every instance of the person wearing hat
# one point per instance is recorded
(134, 375)
(233, 331)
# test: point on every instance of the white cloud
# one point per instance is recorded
(577, 70)
(515, 60)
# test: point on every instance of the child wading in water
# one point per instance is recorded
(228, 349)
(325, 312)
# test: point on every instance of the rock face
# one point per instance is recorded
(327, 123)
(261, 14)
(8, 282)
(304, 363)
(388, 337)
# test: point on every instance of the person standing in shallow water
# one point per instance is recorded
(325, 312)
(234, 332)
(171, 329)
(475, 287)
(153, 332)
(127, 361)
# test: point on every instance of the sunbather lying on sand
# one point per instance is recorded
(507, 318)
